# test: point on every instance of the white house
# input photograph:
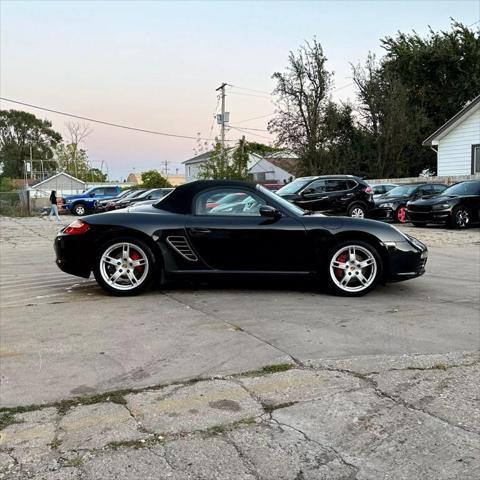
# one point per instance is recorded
(261, 169)
(457, 142)
(62, 183)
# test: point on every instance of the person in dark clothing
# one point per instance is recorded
(53, 203)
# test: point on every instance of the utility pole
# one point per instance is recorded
(222, 119)
(166, 168)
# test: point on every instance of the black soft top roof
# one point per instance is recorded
(180, 200)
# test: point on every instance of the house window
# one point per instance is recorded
(475, 159)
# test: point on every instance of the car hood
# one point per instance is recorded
(433, 200)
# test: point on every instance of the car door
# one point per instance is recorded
(314, 197)
(236, 237)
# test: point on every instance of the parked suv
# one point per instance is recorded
(338, 194)
(84, 203)
(393, 204)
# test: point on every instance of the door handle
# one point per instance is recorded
(199, 231)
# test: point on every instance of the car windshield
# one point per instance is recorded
(293, 187)
(401, 191)
(464, 188)
(284, 203)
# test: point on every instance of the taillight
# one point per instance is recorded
(78, 227)
(369, 190)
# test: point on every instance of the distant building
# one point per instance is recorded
(176, 180)
(273, 168)
(457, 142)
(63, 183)
(134, 178)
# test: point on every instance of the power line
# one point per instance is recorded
(125, 127)
(248, 128)
(249, 95)
(256, 118)
(250, 133)
(250, 89)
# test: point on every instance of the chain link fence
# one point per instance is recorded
(15, 203)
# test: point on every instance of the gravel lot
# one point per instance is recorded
(383, 386)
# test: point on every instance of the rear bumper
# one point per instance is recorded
(73, 254)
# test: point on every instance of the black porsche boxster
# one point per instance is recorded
(258, 233)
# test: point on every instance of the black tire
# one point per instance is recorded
(419, 224)
(357, 207)
(460, 217)
(79, 209)
(376, 274)
(144, 279)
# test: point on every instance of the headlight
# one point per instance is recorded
(387, 205)
(441, 206)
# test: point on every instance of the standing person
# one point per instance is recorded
(53, 207)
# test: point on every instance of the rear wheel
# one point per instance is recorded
(357, 210)
(401, 214)
(124, 266)
(79, 209)
(460, 217)
(354, 268)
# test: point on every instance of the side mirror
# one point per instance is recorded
(92, 194)
(269, 212)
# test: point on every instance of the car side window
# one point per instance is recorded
(335, 185)
(425, 190)
(110, 191)
(98, 191)
(232, 202)
(318, 186)
(438, 188)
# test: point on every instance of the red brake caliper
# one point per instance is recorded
(338, 271)
(134, 255)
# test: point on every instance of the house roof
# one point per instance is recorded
(198, 158)
(452, 123)
(58, 175)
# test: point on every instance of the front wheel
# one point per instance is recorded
(124, 266)
(460, 218)
(79, 209)
(354, 268)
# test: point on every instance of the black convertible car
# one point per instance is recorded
(182, 235)
(458, 206)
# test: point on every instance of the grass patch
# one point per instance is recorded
(74, 462)
(439, 366)
(114, 397)
(8, 419)
(55, 443)
(279, 367)
(269, 408)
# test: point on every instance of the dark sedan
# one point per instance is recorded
(148, 195)
(458, 206)
(393, 204)
(101, 205)
(112, 205)
(180, 236)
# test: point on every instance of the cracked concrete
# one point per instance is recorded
(302, 423)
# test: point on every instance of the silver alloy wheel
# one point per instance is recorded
(80, 210)
(357, 212)
(353, 268)
(119, 270)
(462, 218)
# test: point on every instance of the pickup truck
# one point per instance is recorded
(84, 203)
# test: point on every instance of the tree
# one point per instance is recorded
(301, 103)
(21, 135)
(226, 164)
(154, 179)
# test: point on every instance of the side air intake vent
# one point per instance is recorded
(181, 246)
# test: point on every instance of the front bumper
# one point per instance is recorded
(406, 259)
(440, 217)
(382, 213)
(74, 254)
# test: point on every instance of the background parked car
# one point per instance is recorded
(393, 204)
(339, 194)
(153, 194)
(457, 206)
(84, 203)
(381, 188)
(112, 205)
(101, 205)
(153, 198)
